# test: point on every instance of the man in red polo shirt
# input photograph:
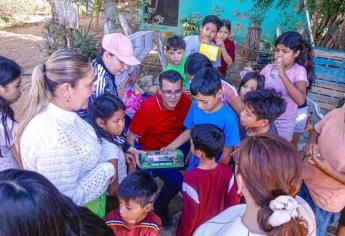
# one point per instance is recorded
(158, 122)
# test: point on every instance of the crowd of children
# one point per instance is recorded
(77, 145)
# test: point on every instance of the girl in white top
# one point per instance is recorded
(10, 79)
(269, 175)
(54, 140)
(107, 116)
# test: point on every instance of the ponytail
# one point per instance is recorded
(63, 66)
(306, 60)
(295, 41)
(37, 101)
(294, 226)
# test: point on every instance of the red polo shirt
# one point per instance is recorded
(157, 126)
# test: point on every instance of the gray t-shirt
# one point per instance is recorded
(193, 46)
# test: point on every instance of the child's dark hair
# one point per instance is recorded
(208, 138)
(295, 41)
(196, 62)
(170, 75)
(212, 19)
(9, 71)
(104, 107)
(29, 200)
(207, 82)
(260, 79)
(226, 24)
(265, 103)
(139, 187)
(175, 42)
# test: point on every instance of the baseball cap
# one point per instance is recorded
(121, 46)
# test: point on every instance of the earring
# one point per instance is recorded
(67, 100)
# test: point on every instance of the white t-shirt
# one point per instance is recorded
(113, 151)
(193, 46)
(7, 160)
(229, 222)
(65, 149)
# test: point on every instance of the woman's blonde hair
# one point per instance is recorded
(63, 66)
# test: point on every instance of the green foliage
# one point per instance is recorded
(15, 11)
(85, 43)
(191, 24)
(54, 37)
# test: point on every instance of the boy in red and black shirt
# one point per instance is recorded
(210, 188)
(134, 217)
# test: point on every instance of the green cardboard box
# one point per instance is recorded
(162, 159)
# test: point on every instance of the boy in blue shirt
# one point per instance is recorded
(208, 108)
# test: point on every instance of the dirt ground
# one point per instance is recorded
(24, 45)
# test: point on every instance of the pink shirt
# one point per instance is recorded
(229, 92)
(328, 193)
(295, 73)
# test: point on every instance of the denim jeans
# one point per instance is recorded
(323, 218)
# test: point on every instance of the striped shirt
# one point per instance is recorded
(150, 225)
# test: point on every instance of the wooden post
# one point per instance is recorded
(253, 41)
(109, 12)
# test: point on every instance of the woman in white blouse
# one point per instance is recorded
(53, 140)
(269, 175)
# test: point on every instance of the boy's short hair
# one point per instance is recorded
(170, 75)
(207, 81)
(265, 103)
(208, 138)
(139, 187)
(212, 19)
(175, 42)
(195, 62)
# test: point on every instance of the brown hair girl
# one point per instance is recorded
(268, 170)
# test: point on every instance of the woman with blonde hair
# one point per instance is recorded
(269, 176)
(54, 141)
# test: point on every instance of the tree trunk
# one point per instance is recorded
(69, 37)
(109, 12)
(252, 42)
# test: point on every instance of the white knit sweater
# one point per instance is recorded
(64, 148)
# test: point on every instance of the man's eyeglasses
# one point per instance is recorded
(170, 93)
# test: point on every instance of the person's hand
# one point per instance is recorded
(167, 148)
(311, 149)
(205, 41)
(113, 186)
(132, 159)
(219, 42)
(133, 78)
(278, 65)
(321, 163)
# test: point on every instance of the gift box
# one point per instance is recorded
(162, 159)
(211, 51)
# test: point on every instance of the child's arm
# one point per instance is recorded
(324, 165)
(181, 139)
(227, 58)
(236, 104)
(311, 149)
(226, 155)
(296, 91)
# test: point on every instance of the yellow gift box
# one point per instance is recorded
(211, 51)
